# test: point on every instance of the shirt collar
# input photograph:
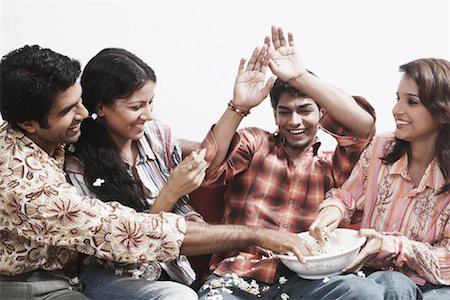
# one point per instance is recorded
(433, 175)
(279, 138)
(435, 178)
(19, 137)
(145, 151)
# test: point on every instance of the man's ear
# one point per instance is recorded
(29, 126)
(321, 112)
(100, 110)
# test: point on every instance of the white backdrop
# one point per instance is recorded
(195, 46)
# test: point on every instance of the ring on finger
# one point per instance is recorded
(189, 166)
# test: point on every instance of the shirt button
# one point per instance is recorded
(285, 225)
(291, 201)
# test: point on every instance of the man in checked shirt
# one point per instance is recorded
(277, 180)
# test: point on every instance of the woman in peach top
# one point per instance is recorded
(399, 191)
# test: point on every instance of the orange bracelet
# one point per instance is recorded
(240, 112)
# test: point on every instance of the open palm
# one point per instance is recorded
(250, 88)
(286, 61)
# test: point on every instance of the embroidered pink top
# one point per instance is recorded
(415, 221)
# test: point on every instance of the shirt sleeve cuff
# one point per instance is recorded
(175, 227)
(389, 248)
(341, 206)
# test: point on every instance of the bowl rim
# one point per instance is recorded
(361, 240)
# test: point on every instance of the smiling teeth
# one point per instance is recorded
(401, 122)
(296, 131)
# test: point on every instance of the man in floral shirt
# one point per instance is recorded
(44, 222)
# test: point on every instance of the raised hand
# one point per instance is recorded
(286, 62)
(250, 88)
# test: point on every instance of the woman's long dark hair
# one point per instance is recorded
(432, 76)
(110, 75)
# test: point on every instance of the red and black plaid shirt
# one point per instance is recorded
(265, 189)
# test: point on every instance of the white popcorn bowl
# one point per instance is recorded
(327, 265)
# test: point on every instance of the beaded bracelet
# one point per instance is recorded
(240, 112)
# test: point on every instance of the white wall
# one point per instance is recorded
(195, 46)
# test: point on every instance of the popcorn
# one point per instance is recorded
(326, 279)
(282, 280)
(328, 247)
(118, 272)
(361, 274)
(213, 292)
(71, 148)
(98, 182)
(284, 296)
(224, 285)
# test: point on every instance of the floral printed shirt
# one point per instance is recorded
(44, 221)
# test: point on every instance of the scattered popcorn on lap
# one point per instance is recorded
(361, 274)
(215, 297)
(326, 279)
(284, 296)
(282, 280)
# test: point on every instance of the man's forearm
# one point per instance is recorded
(337, 103)
(203, 238)
(224, 131)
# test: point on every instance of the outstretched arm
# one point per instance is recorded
(250, 90)
(288, 65)
(202, 238)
